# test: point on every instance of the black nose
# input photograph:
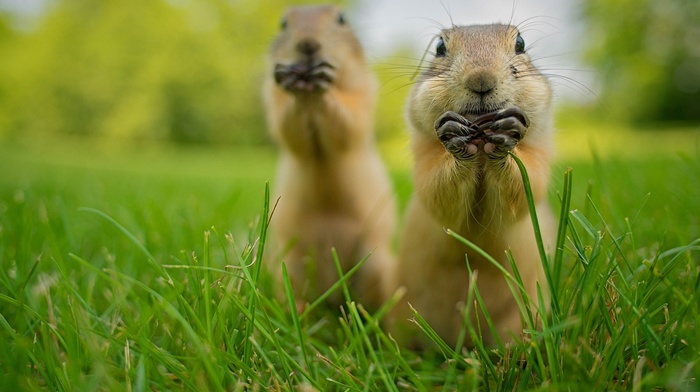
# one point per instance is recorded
(308, 46)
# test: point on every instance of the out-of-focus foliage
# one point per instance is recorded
(175, 70)
(396, 75)
(648, 55)
(6, 37)
(181, 70)
(5, 32)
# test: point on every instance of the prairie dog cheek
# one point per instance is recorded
(424, 106)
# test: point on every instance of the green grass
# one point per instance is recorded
(137, 267)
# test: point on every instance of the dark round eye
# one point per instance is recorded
(519, 45)
(341, 18)
(283, 23)
(440, 48)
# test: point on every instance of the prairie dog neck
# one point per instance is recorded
(478, 69)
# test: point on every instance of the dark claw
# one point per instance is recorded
(324, 64)
(512, 111)
(484, 119)
(502, 140)
(509, 126)
(451, 116)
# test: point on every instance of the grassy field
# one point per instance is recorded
(135, 267)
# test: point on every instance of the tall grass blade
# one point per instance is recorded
(445, 349)
(27, 278)
(536, 228)
(295, 320)
(363, 334)
(201, 345)
(562, 228)
(264, 224)
(532, 208)
(253, 280)
(341, 283)
(149, 257)
(486, 256)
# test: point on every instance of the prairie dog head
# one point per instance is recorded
(315, 49)
(480, 69)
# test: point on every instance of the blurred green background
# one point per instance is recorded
(181, 71)
(189, 71)
(648, 55)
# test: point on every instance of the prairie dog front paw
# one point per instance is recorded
(457, 134)
(507, 129)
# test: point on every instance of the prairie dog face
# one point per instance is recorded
(476, 70)
(314, 48)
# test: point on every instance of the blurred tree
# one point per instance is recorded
(648, 55)
(181, 70)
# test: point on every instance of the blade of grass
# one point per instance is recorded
(206, 288)
(617, 243)
(265, 223)
(270, 333)
(387, 341)
(466, 323)
(20, 288)
(149, 257)
(201, 346)
(253, 280)
(341, 283)
(561, 232)
(389, 385)
(536, 227)
(445, 349)
(485, 255)
(297, 325)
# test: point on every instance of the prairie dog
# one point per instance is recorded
(465, 181)
(333, 189)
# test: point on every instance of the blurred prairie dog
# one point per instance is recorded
(465, 181)
(334, 191)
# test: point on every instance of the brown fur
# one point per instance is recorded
(482, 198)
(333, 188)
